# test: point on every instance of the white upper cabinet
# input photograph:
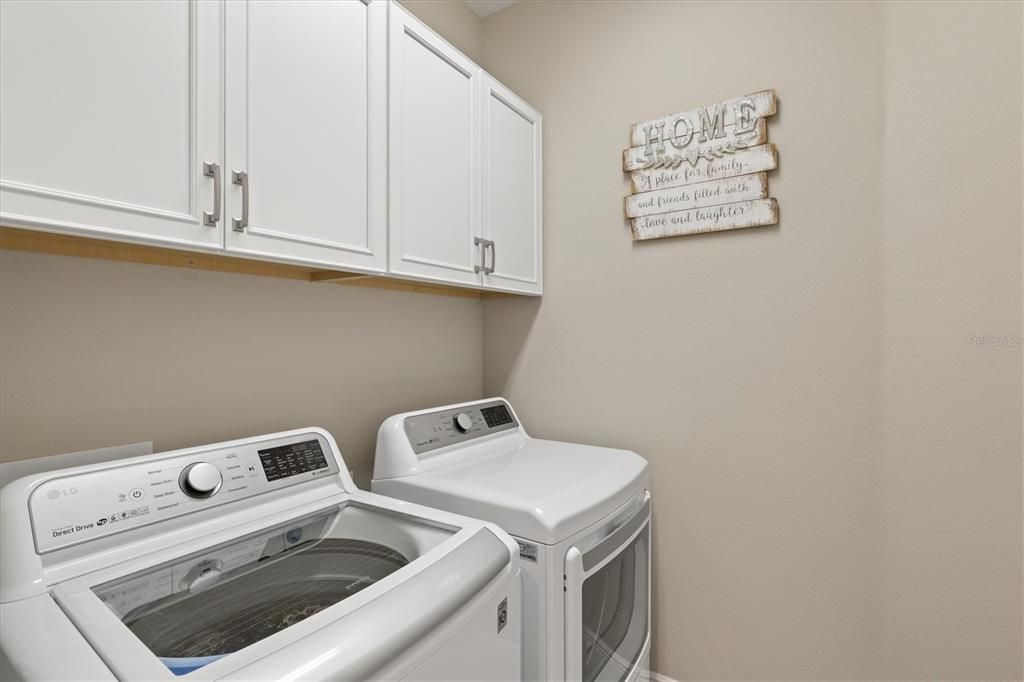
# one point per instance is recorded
(434, 189)
(511, 206)
(334, 134)
(108, 112)
(306, 153)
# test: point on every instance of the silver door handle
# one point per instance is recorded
(480, 241)
(617, 539)
(241, 178)
(212, 170)
(494, 257)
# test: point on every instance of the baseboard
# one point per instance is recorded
(658, 677)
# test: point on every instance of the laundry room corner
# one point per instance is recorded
(772, 376)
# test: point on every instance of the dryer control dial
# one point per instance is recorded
(462, 422)
(200, 479)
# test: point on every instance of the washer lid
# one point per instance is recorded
(195, 610)
(539, 490)
(337, 593)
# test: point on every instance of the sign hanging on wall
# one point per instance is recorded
(702, 170)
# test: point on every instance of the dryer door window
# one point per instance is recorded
(615, 601)
(607, 598)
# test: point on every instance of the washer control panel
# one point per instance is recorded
(428, 432)
(70, 509)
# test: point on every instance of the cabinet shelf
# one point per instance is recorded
(14, 239)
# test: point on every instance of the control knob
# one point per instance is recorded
(200, 479)
(462, 422)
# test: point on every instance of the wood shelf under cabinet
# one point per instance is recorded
(14, 239)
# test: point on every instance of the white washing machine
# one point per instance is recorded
(253, 559)
(581, 515)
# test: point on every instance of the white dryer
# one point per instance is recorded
(252, 559)
(581, 515)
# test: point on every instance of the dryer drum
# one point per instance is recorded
(270, 596)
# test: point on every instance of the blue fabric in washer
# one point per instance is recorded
(183, 666)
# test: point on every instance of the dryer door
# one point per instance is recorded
(608, 603)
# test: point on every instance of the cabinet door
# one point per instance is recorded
(434, 169)
(108, 111)
(306, 131)
(511, 190)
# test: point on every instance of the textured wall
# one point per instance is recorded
(951, 380)
(97, 353)
(835, 497)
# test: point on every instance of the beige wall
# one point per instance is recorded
(951, 248)
(97, 353)
(836, 471)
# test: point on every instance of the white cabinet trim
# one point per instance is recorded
(60, 195)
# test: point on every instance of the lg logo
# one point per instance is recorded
(55, 494)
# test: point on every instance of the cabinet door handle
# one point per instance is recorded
(241, 178)
(482, 266)
(211, 218)
(494, 257)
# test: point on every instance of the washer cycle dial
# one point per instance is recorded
(200, 479)
(462, 422)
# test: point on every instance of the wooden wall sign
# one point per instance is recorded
(702, 170)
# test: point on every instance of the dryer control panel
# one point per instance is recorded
(74, 508)
(433, 430)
